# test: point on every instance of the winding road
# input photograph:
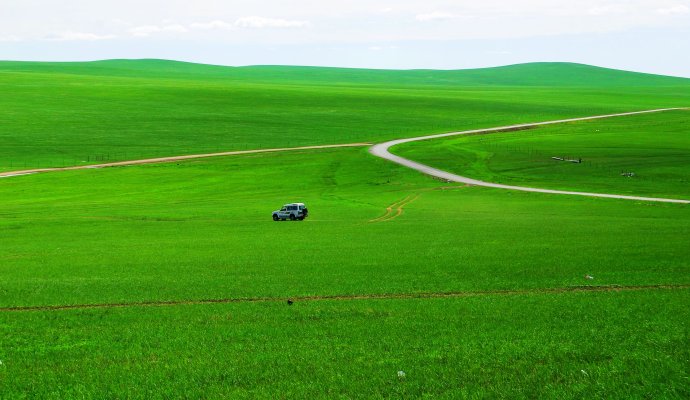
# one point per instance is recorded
(382, 150)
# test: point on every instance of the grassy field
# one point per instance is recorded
(201, 230)
(171, 280)
(594, 345)
(60, 114)
(655, 147)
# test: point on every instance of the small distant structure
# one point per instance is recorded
(578, 161)
(628, 174)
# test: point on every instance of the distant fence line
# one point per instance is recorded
(62, 160)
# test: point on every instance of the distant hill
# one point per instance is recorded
(532, 74)
(70, 113)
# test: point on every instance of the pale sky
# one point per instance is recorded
(641, 35)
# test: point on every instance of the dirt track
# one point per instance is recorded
(382, 296)
(175, 158)
(382, 150)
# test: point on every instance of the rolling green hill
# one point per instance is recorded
(171, 280)
(531, 74)
(72, 113)
(521, 325)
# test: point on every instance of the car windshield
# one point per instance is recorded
(283, 209)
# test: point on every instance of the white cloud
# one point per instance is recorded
(382, 48)
(10, 38)
(148, 30)
(261, 22)
(217, 24)
(674, 10)
(79, 36)
(435, 16)
(362, 23)
(253, 22)
(249, 22)
(609, 9)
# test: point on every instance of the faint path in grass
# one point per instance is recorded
(176, 158)
(383, 296)
(382, 150)
(398, 206)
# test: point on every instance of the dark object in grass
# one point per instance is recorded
(290, 302)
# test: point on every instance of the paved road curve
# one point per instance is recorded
(382, 150)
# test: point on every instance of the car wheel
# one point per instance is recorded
(275, 217)
(292, 217)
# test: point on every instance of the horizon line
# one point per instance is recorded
(338, 67)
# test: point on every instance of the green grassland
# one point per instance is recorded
(202, 230)
(472, 292)
(656, 148)
(594, 345)
(59, 114)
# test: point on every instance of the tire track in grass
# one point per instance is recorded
(398, 206)
(383, 296)
(399, 210)
(389, 210)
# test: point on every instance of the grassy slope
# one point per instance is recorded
(568, 346)
(70, 113)
(656, 147)
(202, 230)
